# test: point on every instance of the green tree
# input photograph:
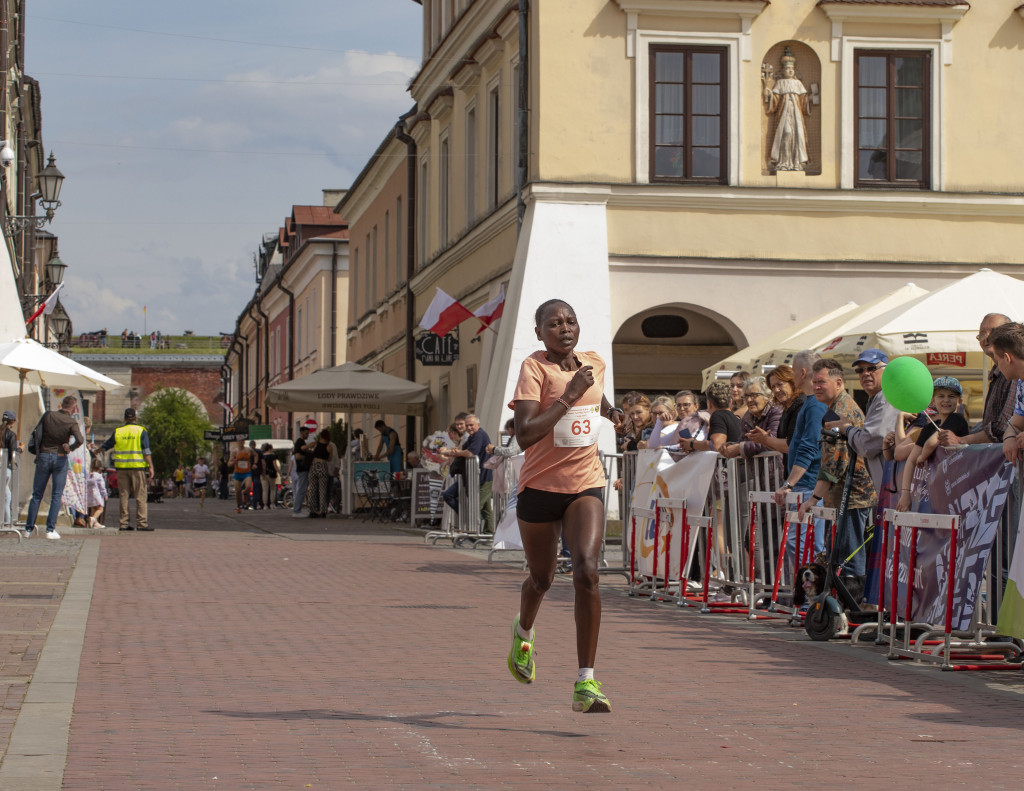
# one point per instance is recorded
(175, 423)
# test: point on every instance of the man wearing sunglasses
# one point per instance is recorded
(879, 419)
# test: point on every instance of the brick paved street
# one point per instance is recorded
(262, 652)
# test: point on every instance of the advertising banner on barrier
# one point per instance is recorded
(972, 481)
(658, 475)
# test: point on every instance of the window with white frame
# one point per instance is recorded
(387, 253)
(493, 142)
(368, 293)
(471, 164)
(398, 241)
(514, 125)
(688, 113)
(423, 212)
(892, 106)
(355, 285)
(443, 197)
(376, 293)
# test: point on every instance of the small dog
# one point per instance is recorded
(810, 582)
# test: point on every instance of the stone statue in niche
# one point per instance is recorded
(788, 101)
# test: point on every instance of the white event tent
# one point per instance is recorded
(942, 322)
(823, 334)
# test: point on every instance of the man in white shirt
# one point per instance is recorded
(200, 472)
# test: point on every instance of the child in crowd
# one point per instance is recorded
(946, 401)
(95, 493)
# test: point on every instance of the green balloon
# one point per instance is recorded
(907, 384)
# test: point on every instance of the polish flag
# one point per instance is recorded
(444, 314)
(491, 311)
(47, 307)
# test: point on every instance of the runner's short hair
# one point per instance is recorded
(538, 317)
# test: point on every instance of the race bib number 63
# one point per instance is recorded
(579, 427)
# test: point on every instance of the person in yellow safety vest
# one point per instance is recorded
(132, 458)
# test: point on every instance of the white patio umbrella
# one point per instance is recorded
(26, 361)
(350, 388)
(944, 321)
(741, 360)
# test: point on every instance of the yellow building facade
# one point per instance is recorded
(703, 173)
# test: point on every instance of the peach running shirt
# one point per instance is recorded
(547, 468)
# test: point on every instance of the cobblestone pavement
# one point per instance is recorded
(256, 651)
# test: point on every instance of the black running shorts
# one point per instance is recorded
(539, 506)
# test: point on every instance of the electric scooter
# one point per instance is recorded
(825, 610)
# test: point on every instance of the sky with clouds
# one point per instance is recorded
(188, 130)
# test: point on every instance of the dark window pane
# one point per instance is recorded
(908, 165)
(871, 134)
(668, 162)
(909, 103)
(871, 165)
(707, 163)
(706, 67)
(669, 66)
(910, 71)
(706, 130)
(670, 99)
(909, 134)
(872, 70)
(706, 99)
(670, 130)
(664, 326)
(872, 103)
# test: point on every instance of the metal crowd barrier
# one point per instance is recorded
(463, 526)
(744, 559)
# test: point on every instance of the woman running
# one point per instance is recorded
(558, 402)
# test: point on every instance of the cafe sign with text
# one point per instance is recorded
(433, 350)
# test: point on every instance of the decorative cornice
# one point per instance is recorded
(943, 16)
(742, 10)
(775, 200)
(466, 74)
(695, 8)
(809, 201)
(440, 104)
(891, 13)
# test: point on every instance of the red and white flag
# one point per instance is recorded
(47, 307)
(444, 314)
(491, 311)
(226, 406)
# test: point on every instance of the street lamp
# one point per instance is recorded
(49, 182)
(55, 271)
(60, 322)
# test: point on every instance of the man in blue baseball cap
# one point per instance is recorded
(879, 418)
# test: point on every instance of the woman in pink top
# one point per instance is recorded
(559, 403)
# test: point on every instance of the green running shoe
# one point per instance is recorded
(520, 658)
(588, 698)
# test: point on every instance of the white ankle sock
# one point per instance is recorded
(585, 674)
(527, 636)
